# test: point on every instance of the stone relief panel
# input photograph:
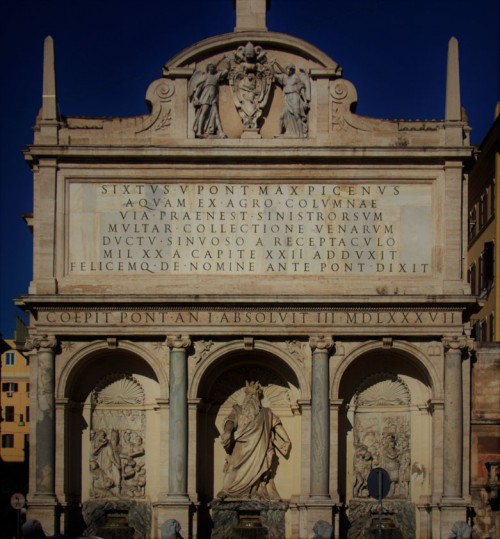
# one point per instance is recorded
(204, 94)
(252, 78)
(382, 435)
(117, 452)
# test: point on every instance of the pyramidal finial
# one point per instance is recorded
(49, 97)
(453, 108)
(251, 15)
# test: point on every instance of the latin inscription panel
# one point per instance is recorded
(249, 229)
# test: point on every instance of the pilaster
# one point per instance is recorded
(453, 504)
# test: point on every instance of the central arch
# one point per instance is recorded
(220, 387)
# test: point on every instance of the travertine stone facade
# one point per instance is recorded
(251, 228)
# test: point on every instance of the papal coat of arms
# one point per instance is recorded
(250, 78)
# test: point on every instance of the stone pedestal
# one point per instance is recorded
(179, 510)
(117, 518)
(248, 519)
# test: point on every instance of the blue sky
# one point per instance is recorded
(108, 51)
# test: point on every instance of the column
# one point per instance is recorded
(453, 417)
(44, 415)
(320, 418)
(178, 417)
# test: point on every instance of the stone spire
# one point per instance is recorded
(251, 14)
(49, 116)
(453, 83)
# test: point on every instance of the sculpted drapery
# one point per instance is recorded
(251, 435)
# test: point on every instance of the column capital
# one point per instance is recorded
(41, 342)
(458, 343)
(320, 342)
(178, 342)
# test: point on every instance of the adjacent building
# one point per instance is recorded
(484, 272)
(14, 399)
(484, 233)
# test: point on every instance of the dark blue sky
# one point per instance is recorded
(108, 51)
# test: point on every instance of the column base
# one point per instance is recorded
(43, 507)
(452, 510)
(173, 507)
(319, 508)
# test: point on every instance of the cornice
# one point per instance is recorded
(364, 302)
(241, 152)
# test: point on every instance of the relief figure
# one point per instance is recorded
(251, 433)
(204, 93)
(391, 463)
(363, 461)
(117, 465)
(297, 95)
(105, 464)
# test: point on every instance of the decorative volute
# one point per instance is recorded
(250, 15)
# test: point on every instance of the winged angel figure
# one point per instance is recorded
(297, 94)
(204, 93)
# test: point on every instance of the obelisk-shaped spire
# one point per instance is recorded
(453, 109)
(49, 97)
(251, 15)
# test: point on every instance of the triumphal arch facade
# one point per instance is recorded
(245, 301)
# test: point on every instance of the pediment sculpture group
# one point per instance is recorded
(252, 78)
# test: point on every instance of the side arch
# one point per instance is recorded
(402, 350)
(69, 379)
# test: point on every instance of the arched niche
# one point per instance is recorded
(384, 421)
(112, 424)
(221, 386)
(79, 372)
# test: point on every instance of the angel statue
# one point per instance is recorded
(297, 94)
(204, 93)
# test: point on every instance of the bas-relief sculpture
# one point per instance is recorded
(297, 93)
(204, 93)
(117, 457)
(251, 433)
(251, 76)
(382, 437)
(250, 79)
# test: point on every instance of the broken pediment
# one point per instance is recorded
(251, 84)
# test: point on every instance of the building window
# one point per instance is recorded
(492, 327)
(492, 197)
(9, 414)
(484, 330)
(10, 359)
(472, 279)
(27, 414)
(483, 211)
(7, 441)
(9, 388)
(488, 265)
(481, 286)
(472, 223)
(28, 389)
